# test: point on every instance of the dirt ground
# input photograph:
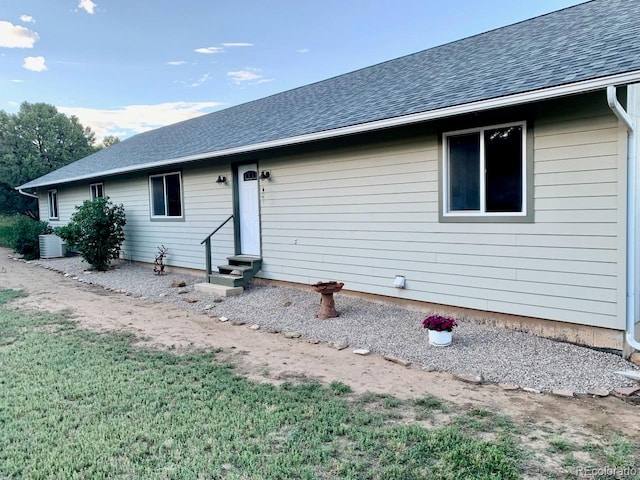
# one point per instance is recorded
(262, 356)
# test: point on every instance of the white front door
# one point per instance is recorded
(249, 209)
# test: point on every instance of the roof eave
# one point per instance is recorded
(488, 104)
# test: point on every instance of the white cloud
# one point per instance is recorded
(205, 78)
(249, 75)
(179, 62)
(132, 119)
(238, 44)
(88, 6)
(35, 64)
(15, 36)
(303, 50)
(209, 50)
(27, 19)
(16, 80)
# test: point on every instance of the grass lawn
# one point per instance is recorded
(80, 404)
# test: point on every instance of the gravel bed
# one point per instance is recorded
(499, 355)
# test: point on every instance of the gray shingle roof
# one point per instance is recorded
(596, 39)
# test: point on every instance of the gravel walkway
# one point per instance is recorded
(497, 354)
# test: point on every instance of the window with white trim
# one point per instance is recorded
(97, 190)
(53, 204)
(484, 171)
(166, 195)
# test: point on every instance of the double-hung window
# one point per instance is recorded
(97, 190)
(166, 195)
(52, 197)
(485, 172)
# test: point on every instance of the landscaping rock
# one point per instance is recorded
(635, 358)
(207, 307)
(508, 387)
(430, 368)
(292, 334)
(178, 283)
(626, 391)
(255, 326)
(223, 319)
(182, 291)
(473, 378)
(599, 392)
(272, 330)
(286, 304)
(237, 323)
(531, 390)
(563, 393)
(362, 351)
(190, 300)
(338, 345)
(399, 361)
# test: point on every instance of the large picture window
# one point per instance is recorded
(166, 195)
(484, 171)
(53, 204)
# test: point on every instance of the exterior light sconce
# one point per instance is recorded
(399, 281)
(221, 179)
(265, 175)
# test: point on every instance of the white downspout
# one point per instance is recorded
(624, 117)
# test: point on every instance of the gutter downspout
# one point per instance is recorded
(27, 194)
(624, 117)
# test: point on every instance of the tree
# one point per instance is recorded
(109, 140)
(35, 141)
(97, 229)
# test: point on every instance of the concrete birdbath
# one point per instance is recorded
(327, 304)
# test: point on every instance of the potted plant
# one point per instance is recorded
(440, 329)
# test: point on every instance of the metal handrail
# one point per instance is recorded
(216, 230)
(207, 246)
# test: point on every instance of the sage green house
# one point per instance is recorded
(496, 174)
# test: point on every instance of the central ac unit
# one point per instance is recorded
(51, 246)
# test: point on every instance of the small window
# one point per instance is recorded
(53, 204)
(97, 190)
(250, 175)
(484, 171)
(166, 195)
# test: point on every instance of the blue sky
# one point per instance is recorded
(125, 66)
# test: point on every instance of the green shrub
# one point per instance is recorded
(24, 236)
(97, 230)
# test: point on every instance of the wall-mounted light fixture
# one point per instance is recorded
(221, 179)
(265, 175)
(399, 281)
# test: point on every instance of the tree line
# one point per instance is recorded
(35, 141)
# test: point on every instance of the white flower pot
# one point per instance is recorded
(440, 339)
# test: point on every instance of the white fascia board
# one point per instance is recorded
(492, 103)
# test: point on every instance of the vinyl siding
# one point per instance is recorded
(205, 205)
(364, 215)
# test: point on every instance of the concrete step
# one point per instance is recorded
(228, 269)
(220, 290)
(227, 280)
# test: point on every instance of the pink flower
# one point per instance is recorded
(439, 323)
